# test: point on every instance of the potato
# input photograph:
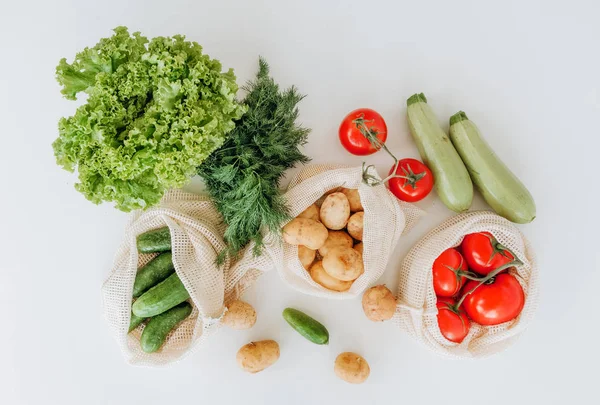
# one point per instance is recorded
(256, 356)
(318, 273)
(239, 315)
(336, 238)
(379, 303)
(351, 368)
(359, 247)
(306, 256)
(353, 199)
(305, 231)
(335, 211)
(355, 225)
(311, 212)
(343, 263)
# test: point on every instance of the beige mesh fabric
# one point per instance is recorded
(416, 312)
(385, 220)
(196, 235)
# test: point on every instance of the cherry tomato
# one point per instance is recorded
(495, 302)
(484, 253)
(453, 323)
(446, 280)
(416, 181)
(363, 131)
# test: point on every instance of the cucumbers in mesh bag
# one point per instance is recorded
(502, 190)
(152, 273)
(158, 240)
(157, 329)
(134, 322)
(161, 297)
(452, 182)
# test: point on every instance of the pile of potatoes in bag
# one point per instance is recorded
(329, 239)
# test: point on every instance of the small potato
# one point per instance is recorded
(336, 238)
(305, 231)
(311, 212)
(343, 263)
(335, 211)
(240, 315)
(306, 256)
(318, 273)
(359, 247)
(355, 225)
(379, 303)
(353, 199)
(351, 368)
(256, 356)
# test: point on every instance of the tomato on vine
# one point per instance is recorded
(484, 253)
(363, 132)
(412, 180)
(449, 271)
(452, 321)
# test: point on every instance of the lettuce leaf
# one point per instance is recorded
(155, 111)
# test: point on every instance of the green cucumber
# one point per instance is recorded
(153, 273)
(157, 329)
(160, 298)
(308, 327)
(135, 322)
(452, 182)
(502, 190)
(158, 240)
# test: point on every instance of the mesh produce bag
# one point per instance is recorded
(386, 218)
(417, 313)
(196, 237)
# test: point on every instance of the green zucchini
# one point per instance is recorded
(452, 182)
(157, 329)
(153, 273)
(502, 190)
(308, 327)
(156, 241)
(160, 298)
(135, 322)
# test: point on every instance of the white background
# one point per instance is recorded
(527, 72)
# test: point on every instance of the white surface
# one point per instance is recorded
(527, 72)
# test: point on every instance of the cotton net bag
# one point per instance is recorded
(385, 220)
(417, 313)
(196, 237)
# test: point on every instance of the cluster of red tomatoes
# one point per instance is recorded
(364, 132)
(472, 282)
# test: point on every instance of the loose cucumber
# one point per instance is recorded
(153, 273)
(502, 190)
(135, 322)
(306, 326)
(161, 297)
(157, 329)
(155, 241)
(452, 182)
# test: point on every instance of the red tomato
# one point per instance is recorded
(453, 323)
(495, 302)
(416, 181)
(363, 131)
(484, 253)
(446, 280)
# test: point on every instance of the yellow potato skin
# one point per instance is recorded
(343, 263)
(320, 276)
(256, 356)
(359, 247)
(335, 211)
(379, 304)
(336, 238)
(355, 225)
(312, 212)
(352, 368)
(306, 256)
(353, 199)
(240, 315)
(305, 231)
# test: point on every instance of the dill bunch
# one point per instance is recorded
(243, 176)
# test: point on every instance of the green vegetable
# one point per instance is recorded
(154, 111)
(452, 182)
(243, 176)
(161, 297)
(158, 240)
(502, 190)
(153, 273)
(156, 331)
(306, 326)
(135, 322)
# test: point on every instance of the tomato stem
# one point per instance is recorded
(491, 275)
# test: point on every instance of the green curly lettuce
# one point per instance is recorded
(155, 111)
